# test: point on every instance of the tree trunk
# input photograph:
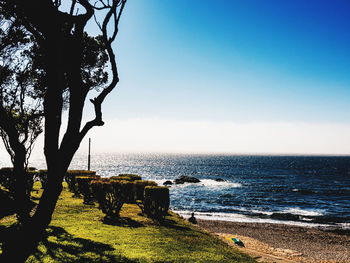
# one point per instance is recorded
(53, 30)
(21, 197)
(48, 200)
(22, 242)
(31, 233)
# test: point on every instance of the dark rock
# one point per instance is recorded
(285, 216)
(186, 179)
(168, 183)
(220, 180)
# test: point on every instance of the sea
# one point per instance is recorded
(311, 191)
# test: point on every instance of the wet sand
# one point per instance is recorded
(284, 243)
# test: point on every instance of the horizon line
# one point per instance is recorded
(219, 153)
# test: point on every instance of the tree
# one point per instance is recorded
(62, 38)
(21, 86)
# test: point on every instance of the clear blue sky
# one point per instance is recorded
(234, 60)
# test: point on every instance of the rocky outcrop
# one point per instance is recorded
(285, 216)
(168, 183)
(220, 180)
(186, 179)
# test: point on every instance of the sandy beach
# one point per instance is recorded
(284, 243)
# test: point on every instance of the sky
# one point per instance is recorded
(240, 61)
(230, 76)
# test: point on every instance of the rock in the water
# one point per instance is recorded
(186, 179)
(285, 216)
(220, 180)
(168, 183)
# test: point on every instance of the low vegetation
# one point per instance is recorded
(78, 233)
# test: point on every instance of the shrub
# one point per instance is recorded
(70, 178)
(31, 177)
(133, 177)
(111, 195)
(7, 179)
(156, 201)
(120, 178)
(84, 188)
(139, 188)
(138, 191)
(42, 175)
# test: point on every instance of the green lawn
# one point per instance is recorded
(77, 234)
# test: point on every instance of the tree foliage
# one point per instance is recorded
(71, 61)
(21, 87)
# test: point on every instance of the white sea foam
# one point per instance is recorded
(215, 184)
(159, 182)
(208, 183)
(344, 225)
(231, 217)
(302, 212)
(261, 212)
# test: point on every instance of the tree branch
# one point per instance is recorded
(97, 101)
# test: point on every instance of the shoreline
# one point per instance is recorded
(283, 243)
(241, 218)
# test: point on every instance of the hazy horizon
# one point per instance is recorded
(209, 137)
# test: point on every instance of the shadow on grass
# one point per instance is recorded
(60, 246)
(64, 247)
(4, 233)
(169, 223)
(122, 221)
(6, 203)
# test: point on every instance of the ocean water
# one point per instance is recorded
(298, 190)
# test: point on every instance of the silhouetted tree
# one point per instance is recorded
(64, 44)
(21, 89)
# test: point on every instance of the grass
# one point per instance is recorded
(77, 234)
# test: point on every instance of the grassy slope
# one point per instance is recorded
(77, 234)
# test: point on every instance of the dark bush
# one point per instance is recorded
(133, 177)
(138, 191)
(70, 178)
(31, 177)
(111, 195)
(81, 172)
(120, 178)
(84, 188)
(156, 201)
(42, 176)
(7, 179)
(139, 188)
